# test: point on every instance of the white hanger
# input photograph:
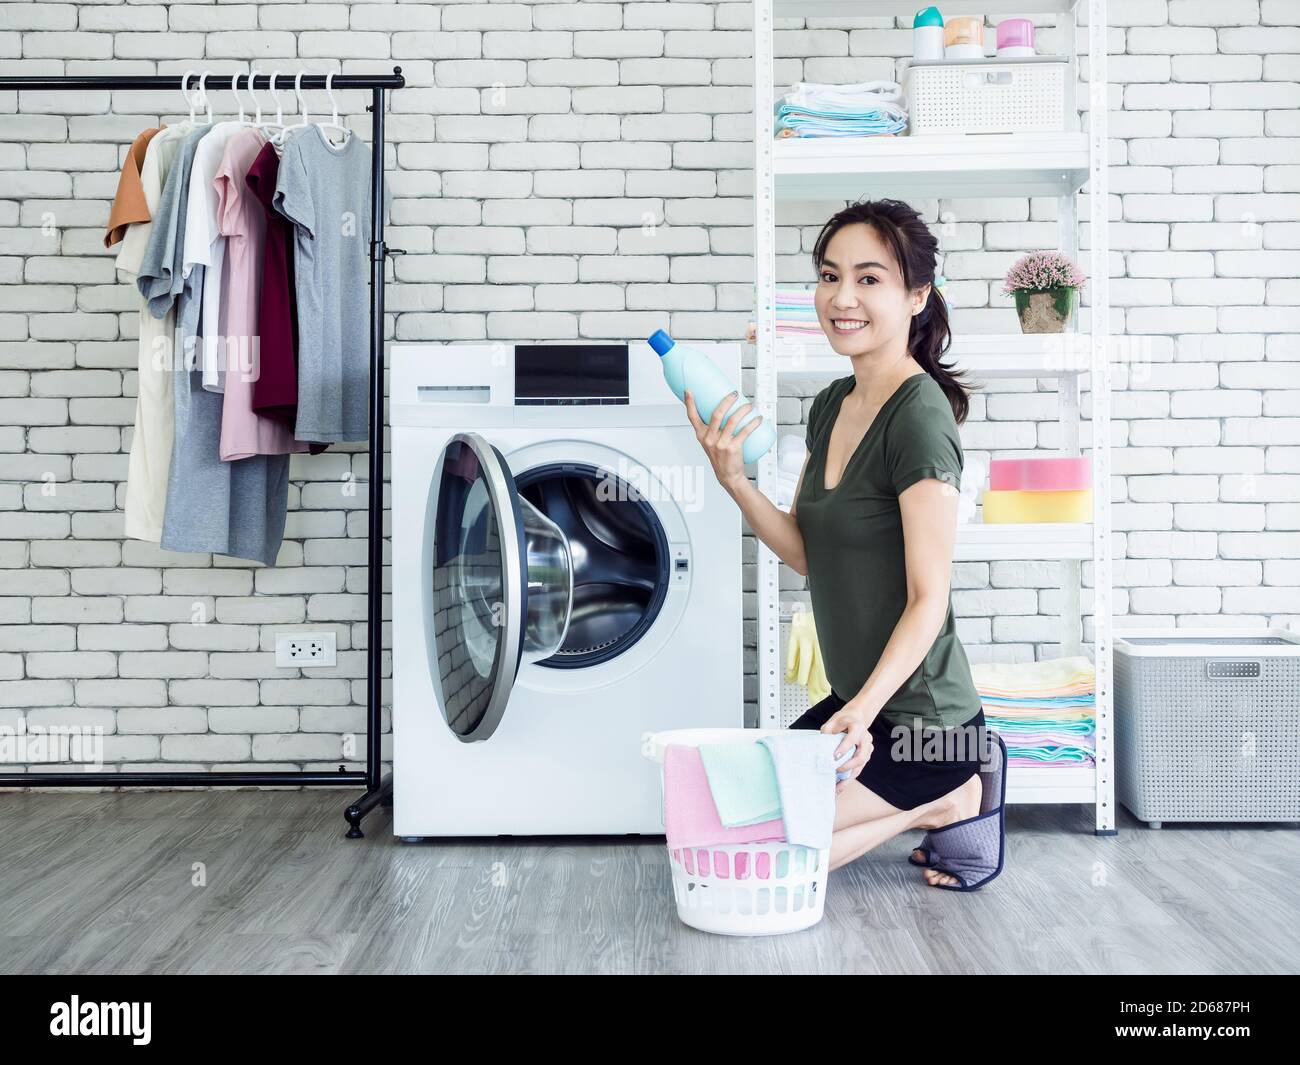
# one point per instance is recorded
(278, 124)
(203, 97)
(257, 104)
(282, 135)
(333, 123)
(234, 87)
(190, 98)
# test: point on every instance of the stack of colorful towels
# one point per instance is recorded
(778, 788)
(865, 109)
(796, 316)
(1045, 711)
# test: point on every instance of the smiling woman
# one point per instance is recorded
(876, 510)
(873, 527)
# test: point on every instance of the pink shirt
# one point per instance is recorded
(242, 220)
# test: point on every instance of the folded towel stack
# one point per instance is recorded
(1045, 711)
(865, 109)
(780, 788)
(796, 316)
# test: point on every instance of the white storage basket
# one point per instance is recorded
(748, 889)
(1207, 724)
(986, 96)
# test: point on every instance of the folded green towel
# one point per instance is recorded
(742, 779)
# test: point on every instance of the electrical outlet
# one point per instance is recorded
(298, 649)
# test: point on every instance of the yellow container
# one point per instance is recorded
(1008, 508)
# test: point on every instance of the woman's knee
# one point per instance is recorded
(858, 804)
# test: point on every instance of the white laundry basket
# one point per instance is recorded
(747, 889)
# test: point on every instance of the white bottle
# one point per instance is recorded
(927, 35)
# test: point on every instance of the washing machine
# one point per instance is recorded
(565, 580)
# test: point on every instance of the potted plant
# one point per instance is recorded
(1045, 285)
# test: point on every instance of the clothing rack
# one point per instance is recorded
(377, 790)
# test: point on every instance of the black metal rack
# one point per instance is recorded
(377, 790)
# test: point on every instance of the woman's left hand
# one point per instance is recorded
(856, 728)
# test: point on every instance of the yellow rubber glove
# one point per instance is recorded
(818, 686)
(803, 657)
(797, 659)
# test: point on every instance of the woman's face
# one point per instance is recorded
(861, 300)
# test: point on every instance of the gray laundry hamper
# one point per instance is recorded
(1207, 724)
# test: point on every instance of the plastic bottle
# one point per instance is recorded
(964, 38)
(686, 368)
(1015, 38)
(927, 35)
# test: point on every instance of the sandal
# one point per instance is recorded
(972, 850)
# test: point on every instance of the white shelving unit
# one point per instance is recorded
(1010, 165)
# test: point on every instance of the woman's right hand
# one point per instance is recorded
(857, 733)
(724, 450)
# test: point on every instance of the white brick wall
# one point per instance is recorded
(531, 144)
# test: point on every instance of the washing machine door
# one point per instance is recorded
(498, 585)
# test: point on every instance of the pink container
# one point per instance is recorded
(1015, 37)
(1069, 474)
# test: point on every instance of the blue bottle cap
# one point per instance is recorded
(661, 342)
(929, 17)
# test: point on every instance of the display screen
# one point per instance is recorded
(548, 374)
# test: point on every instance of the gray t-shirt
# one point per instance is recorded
(325, 192)
(161, 277)
(229, 508)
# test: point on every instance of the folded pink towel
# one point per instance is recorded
(690, 816)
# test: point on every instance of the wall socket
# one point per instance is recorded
(297, 649)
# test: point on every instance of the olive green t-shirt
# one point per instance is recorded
(853, 542)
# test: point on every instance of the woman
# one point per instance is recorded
(873, 528)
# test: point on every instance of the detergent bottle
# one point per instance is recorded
(927, 35)
(685, 368)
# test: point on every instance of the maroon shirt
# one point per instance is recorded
(275, 392)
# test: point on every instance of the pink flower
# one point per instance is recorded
(1041, 270)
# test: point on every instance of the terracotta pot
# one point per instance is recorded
(1045, 310)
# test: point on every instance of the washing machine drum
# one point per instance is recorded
(563, 566)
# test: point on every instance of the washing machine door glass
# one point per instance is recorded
(498, 586)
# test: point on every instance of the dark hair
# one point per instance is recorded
(914, 248)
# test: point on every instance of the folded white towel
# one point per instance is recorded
(849, 94)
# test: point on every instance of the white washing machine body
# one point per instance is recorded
(591, 434)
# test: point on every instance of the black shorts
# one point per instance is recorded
(903, 777)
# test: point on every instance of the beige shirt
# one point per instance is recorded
(151, 441)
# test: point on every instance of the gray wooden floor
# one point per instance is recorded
(202, 882)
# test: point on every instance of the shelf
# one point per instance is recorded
(908, 9)
(1042, 541)
(985, 355)
(827, 172)
(1051, 784)
(970, 165)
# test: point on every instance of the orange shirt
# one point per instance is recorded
(129, 205)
